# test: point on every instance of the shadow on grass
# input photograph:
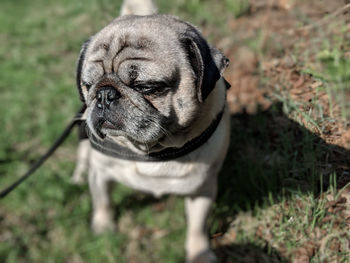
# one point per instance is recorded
(247, 254)
(271, 157)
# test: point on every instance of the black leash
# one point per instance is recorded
(76, 120)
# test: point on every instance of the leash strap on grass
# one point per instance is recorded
(43, 158)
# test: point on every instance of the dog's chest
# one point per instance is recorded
(156, 177)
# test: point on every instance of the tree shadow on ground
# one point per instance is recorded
(272, 156)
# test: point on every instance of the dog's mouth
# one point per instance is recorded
(105, 129)
(102, 126)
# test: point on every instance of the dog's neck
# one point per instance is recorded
(210, 109)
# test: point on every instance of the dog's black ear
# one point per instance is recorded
(80, 66)
(207, 62)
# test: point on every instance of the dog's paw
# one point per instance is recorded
(206, 256)
(102, 223)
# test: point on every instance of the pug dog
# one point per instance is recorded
(155, 117)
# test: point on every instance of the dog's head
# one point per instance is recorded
(145, 77)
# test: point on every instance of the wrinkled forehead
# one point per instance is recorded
(150, 44)
(141, 35)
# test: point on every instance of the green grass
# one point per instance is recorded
(273, 160)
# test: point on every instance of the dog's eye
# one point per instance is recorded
(150, 87)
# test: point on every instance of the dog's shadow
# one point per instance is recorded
(271, 155)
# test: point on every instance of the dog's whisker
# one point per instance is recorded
(158, 125)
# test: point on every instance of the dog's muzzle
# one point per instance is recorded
(106, 96)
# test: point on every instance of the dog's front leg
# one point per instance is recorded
(100, 188)
(82, 161)
(197, 210)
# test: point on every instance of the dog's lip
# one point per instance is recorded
(107, 125)
(100, 126)
(101, 134)
(103, 126)
(144, 146)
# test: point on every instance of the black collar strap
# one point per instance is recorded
(115, 150)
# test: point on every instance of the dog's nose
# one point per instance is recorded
(106, 95)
